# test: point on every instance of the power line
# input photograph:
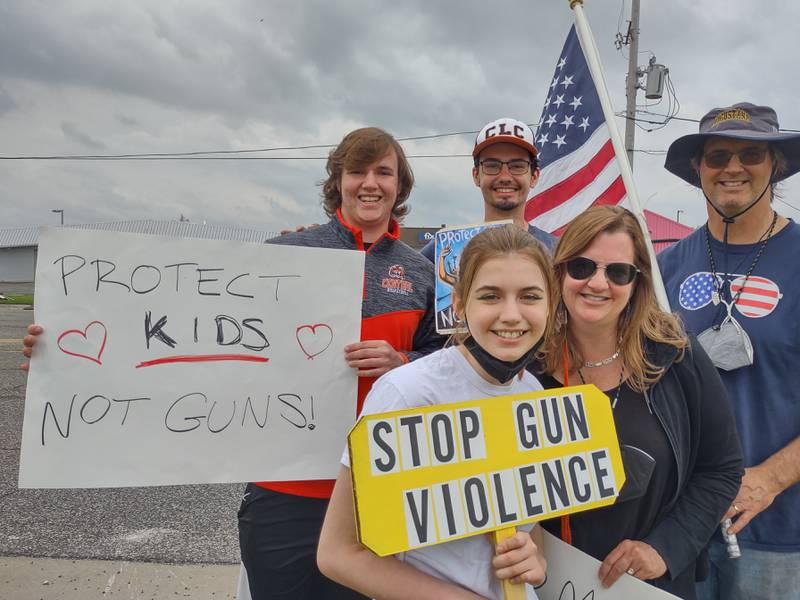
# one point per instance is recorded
(238, 154)
(781, 200)
(651, 152)
(622, 115)
(182, 157)
(201, 153)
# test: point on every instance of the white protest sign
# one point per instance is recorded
(572, 575)
(173, 361)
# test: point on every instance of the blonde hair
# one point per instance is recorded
(496, 242)
(641, 320)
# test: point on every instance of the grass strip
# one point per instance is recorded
(16, 298)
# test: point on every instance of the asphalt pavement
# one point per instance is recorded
(155, 542)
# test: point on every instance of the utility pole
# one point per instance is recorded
(633, 80)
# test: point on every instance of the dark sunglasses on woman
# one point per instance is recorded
(619, 273)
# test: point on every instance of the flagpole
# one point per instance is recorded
(593, 60)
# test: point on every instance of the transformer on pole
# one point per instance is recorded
(655, 74)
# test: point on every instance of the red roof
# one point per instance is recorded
(664, 231)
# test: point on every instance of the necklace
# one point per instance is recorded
(716, 296)
(603, 362)
(619, 385)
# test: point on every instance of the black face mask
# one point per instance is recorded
(502, 370)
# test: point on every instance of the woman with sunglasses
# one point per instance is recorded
(681, 452)
(503, 295)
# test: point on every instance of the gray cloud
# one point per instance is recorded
(72, 132)
(7, 103)
(127, 121)
(156, 77)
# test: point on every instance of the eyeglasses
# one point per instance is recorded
(618, 273)
(717, 159)
(518, 166)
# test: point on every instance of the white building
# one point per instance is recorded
(18, 254)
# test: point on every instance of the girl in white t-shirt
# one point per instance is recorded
(503, 296)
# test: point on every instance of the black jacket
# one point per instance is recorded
(691, 404)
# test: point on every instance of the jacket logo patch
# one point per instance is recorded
(396, 282)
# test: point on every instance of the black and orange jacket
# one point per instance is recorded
(397, 306)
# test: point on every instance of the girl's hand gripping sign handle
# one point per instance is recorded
(511, 591)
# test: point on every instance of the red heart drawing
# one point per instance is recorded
(314, 342)
(86, 347)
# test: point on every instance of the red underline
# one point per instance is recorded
(201, 358)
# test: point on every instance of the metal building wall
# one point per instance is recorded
(17, 264)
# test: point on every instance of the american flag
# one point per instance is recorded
(759, 296)
(578, 163)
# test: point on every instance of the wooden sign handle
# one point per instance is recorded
(511, 591)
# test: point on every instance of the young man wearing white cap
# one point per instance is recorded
(505, 169)
(736, 284)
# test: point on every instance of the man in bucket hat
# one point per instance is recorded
(736, 284)
(505, 169)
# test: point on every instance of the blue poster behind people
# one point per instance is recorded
(449, 243)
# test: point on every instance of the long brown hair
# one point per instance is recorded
(495, 242)
(359, 148)
(642, 319)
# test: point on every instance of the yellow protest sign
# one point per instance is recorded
(428, 475)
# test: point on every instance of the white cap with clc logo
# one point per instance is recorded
(505, 130)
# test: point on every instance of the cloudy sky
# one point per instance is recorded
(89, 77)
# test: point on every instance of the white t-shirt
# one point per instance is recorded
(438, 378)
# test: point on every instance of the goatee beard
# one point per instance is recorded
(505, 207)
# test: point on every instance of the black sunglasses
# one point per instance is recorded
(618, 273)
(717, 159)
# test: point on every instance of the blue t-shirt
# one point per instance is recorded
(765, 395)
(547, 239)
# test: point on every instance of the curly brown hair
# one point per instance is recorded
(358, 149)
(642, 320)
